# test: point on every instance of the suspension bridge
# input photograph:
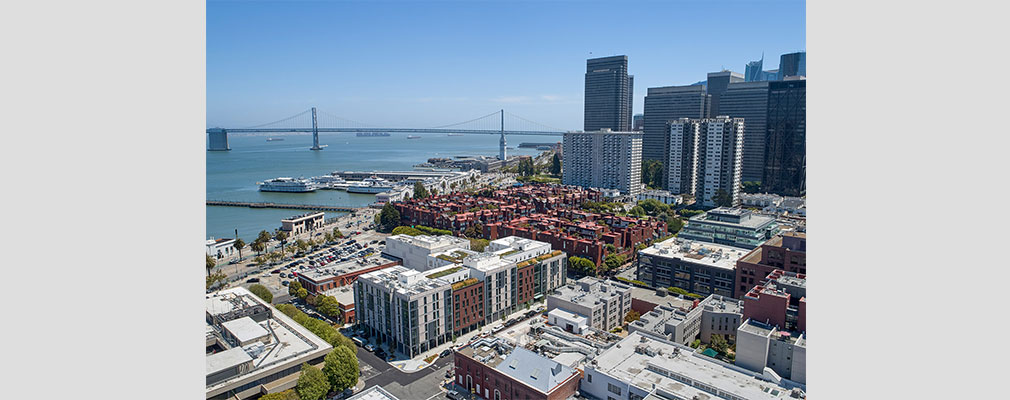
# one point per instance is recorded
(316, 121)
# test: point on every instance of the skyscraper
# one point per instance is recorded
(665, 104)
(793, 64)
(603, 159)
(749, 100)
(785, 144)
(705, 158)
(716, 85)
(608, 94)
(754, 71)
(631, 102)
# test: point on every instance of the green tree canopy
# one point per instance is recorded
(610, 248)
(406, 230)
(389, 218)
(293, 287)
(653, 207)
(210, 264)
(258, 246)
(328, 305)
(613, 261)
(281, 235)
(582, 265)
(674, 224)
(652, 174)
(556, 165)
(262, 292)
(419, 191)
(637, 211)
(285, 395)
(302, 293)
(478, 245)
(239, 244)
(263, 237)
(751, 187)
(312, 384)
(722, 199)
(632, 316)
(337, 233)
(341, 368)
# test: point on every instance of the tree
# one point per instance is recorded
(262, 292)
(406, 230)
(302, 293)
(637, 211)
(281, 237)
(473, 231)
(328, 305)
(285, 395)
(674, 224)
(337, 233)
(652, 174)
(263, 237)
(632, 316)
(210, 264)
(556, 165)
(718, 343)
(239, 244)
(582, 265)
(419, 191)
(478, 245)
(312, 384)
(613, 261)
(258, 247)
(722, 199)
(653, 207)
(294, 287)
(610, 248)
(389, 218)
(750, 187)
(341, 368)
(434, 191)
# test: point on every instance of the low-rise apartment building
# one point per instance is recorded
(787, 252)
(715, 315)
(603, 303)
(779, 301)
(697, 267)
(492, 369)
(760, 346)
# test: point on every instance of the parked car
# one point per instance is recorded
(445, 353)
(253, 280)
(370, 347)
(285, 283)
(454, 395)
(380, 353)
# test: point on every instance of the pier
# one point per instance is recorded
(282, 206)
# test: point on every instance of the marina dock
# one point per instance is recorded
(283, 206)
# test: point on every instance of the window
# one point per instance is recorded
(613, 389)
(589, 377)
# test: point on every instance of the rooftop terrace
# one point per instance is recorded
(709, 254)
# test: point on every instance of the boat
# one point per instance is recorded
(331, 182)
(373, 134)
(413, 137)
(274, 139)
(370, 185)
(290, 185)
(455, 134)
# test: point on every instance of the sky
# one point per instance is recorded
(424, 64)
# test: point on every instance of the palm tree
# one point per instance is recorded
(281, 236)
(239, 244)
(210, 264)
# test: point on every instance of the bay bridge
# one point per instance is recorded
(316, 121)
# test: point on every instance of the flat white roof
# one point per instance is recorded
(623, 362)
(221, 361)
(708, 254)
(570, 316)
(245, 329)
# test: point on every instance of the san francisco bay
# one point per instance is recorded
(232, 175)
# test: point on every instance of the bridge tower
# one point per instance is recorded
(218, 139)
(501, 143)
(315, 132)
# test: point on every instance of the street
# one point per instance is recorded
(421, 385)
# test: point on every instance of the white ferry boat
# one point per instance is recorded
(290, 185)
(370, 185)
(331, 182)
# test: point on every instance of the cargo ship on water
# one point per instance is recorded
(413, 137)
(274, 139)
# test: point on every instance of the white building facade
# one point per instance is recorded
(603, 159)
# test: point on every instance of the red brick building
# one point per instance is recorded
(780, 300)
(493, 370)
(342, 274)
(468, 305)
(787, 252)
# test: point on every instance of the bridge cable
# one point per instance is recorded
(279, 121)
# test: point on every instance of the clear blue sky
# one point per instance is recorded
(422, 64)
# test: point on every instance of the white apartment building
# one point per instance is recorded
(603, 159)
(413, 251)
(706, 156)
(761, 347)
(499, 276)
(404, 308)
(662, 196)
(603, 303)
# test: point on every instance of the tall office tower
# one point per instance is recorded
(682, 160)
(607, 94)
(793, 64)
(749, 100)
(665, 104)
(719, 154)
(603, 159)
(785, 144)
(717, 84)
(631, 102)
(637, 122)
(754, 71)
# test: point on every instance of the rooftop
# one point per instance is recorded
(648, 363)
(403, 280)
(429, 242)
(733, 217)
(532, 369)
(244, 329)
(373, 393)
(709, 254)
(287, 343)
(589, 291)
(651, 296)
(306, 215)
